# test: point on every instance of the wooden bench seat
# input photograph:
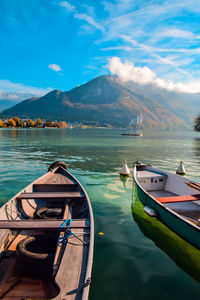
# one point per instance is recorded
(44, 195)
(54, 184)
(42, 224)
(179, 198)
(54, 187)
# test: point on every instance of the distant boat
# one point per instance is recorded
(47, 239)
(133, 134)
(173, 199)
(136, 127)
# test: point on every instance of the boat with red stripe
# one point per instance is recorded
(173, 199)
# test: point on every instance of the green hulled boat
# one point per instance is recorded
(185, 255)
(172, 199)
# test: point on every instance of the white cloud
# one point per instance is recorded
(54, 67)
(82, 16)
(9, 86)
(89, 20)
(69, 7)
(128, 72)
(144, 75)
(153, 11)
(124, 48)
(178, 33)
(174, 60)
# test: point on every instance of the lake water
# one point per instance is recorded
(127, 264)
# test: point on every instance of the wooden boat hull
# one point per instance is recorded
(184, 228)
(71, 234)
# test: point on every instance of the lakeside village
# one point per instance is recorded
(16, 122)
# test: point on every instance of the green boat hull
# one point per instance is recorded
(185, 255)
(184, 229)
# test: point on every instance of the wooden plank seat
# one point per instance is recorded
(194, 185)
(183, 198)
(54, 187)
(44, 195)
(43, 224)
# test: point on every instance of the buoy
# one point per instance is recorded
(124, 170)
(101, 233)
(181, 169)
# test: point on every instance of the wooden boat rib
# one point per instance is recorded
(171, 198)
(47, 239)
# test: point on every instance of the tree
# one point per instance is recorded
(1, 123)
(31, 123)
(197, 123)
(17, 121)
(62, 124)
(12, 123)
(39, 123)
(48, 123)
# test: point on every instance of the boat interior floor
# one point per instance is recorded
(189, 209)
(15, 286)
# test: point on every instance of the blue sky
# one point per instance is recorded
(50, 44)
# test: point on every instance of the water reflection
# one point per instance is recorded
(95, 148)
(196, 148)
(182, 253)
(124, 180)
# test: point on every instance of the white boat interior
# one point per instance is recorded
(174, 191)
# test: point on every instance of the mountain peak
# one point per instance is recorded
(56, 92)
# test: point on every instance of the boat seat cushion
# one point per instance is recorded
(179, 198)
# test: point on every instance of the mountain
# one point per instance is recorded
(9, 99)
(5, 103)
(184, 105)
(108, 100)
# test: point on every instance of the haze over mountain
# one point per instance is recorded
(11, 98)
(108, 100)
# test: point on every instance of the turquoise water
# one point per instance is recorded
(127, 265)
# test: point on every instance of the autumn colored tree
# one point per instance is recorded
(39, 122)
(62, 124)
(17, 121)
(1, 123)
(31, 123)
(11, 123)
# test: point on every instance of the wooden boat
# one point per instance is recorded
(47, 238)
(173, 199)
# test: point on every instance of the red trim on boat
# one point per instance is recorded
(179, 198)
